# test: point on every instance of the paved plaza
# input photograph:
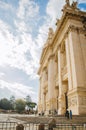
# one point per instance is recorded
(12, 117)
(32, 121)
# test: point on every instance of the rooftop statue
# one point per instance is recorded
(50, 35)
(74, 5)
(67, 2)
(49, 39)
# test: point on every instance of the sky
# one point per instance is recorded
(24, 27)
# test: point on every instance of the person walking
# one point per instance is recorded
(70, 114)
(67, 114)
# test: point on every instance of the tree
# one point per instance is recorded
(12, 101)
(5, 104)
(20, 105)
(32, 104)
(28, 99)
(29, 102)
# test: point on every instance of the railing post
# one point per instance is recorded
(52, 124)
(19, 127)
(41, 127)
(84, 126)
(73, 127)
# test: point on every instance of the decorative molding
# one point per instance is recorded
(69, 14)
(72, 102)
(82, 100)
(73, 28)
(44, 68)
(51, 57)
(76, 29)
(63, 46)
(56, 57)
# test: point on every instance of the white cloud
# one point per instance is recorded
(54, 9)
(18, 90)
(13, 53)
(1, 74)
(27, 8)
(13, 48)
(5, 6)
(21, 26)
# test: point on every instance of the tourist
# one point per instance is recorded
(67, 114)
(70, 114)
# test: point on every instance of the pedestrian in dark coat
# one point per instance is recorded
(67, 114)
(70, 113)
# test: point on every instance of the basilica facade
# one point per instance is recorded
(62, 69)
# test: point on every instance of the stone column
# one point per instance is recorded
(44, 80)
(59, 71)
(42, 89)
(51, 82)
(77, 61)
(41, 93)
(78, 55)
(70, 83)
(61, 98)
(39, 103)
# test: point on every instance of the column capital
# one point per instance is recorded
(44, 68)
(59, 47)
(51, 57)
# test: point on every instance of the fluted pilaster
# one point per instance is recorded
(51, 81)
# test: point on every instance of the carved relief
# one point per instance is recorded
(72, 101)
(82, 100)
(51, 57)
(73, 29)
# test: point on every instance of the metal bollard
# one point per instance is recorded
(85, 126)
(73, 127)
(19, 127)
(41, 127)
(52, 124)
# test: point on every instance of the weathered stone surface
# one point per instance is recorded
(63, 65)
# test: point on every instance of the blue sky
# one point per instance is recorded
(23, 31)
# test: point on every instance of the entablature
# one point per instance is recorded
(71, 20)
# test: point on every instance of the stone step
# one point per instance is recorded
(43, 119)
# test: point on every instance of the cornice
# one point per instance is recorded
(72, 28)
(68, 14)
(45, 51)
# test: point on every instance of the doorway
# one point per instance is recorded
(66, 101)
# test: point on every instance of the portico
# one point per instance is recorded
(63, 65)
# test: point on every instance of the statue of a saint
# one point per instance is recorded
(74, 4)
(67, 2)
